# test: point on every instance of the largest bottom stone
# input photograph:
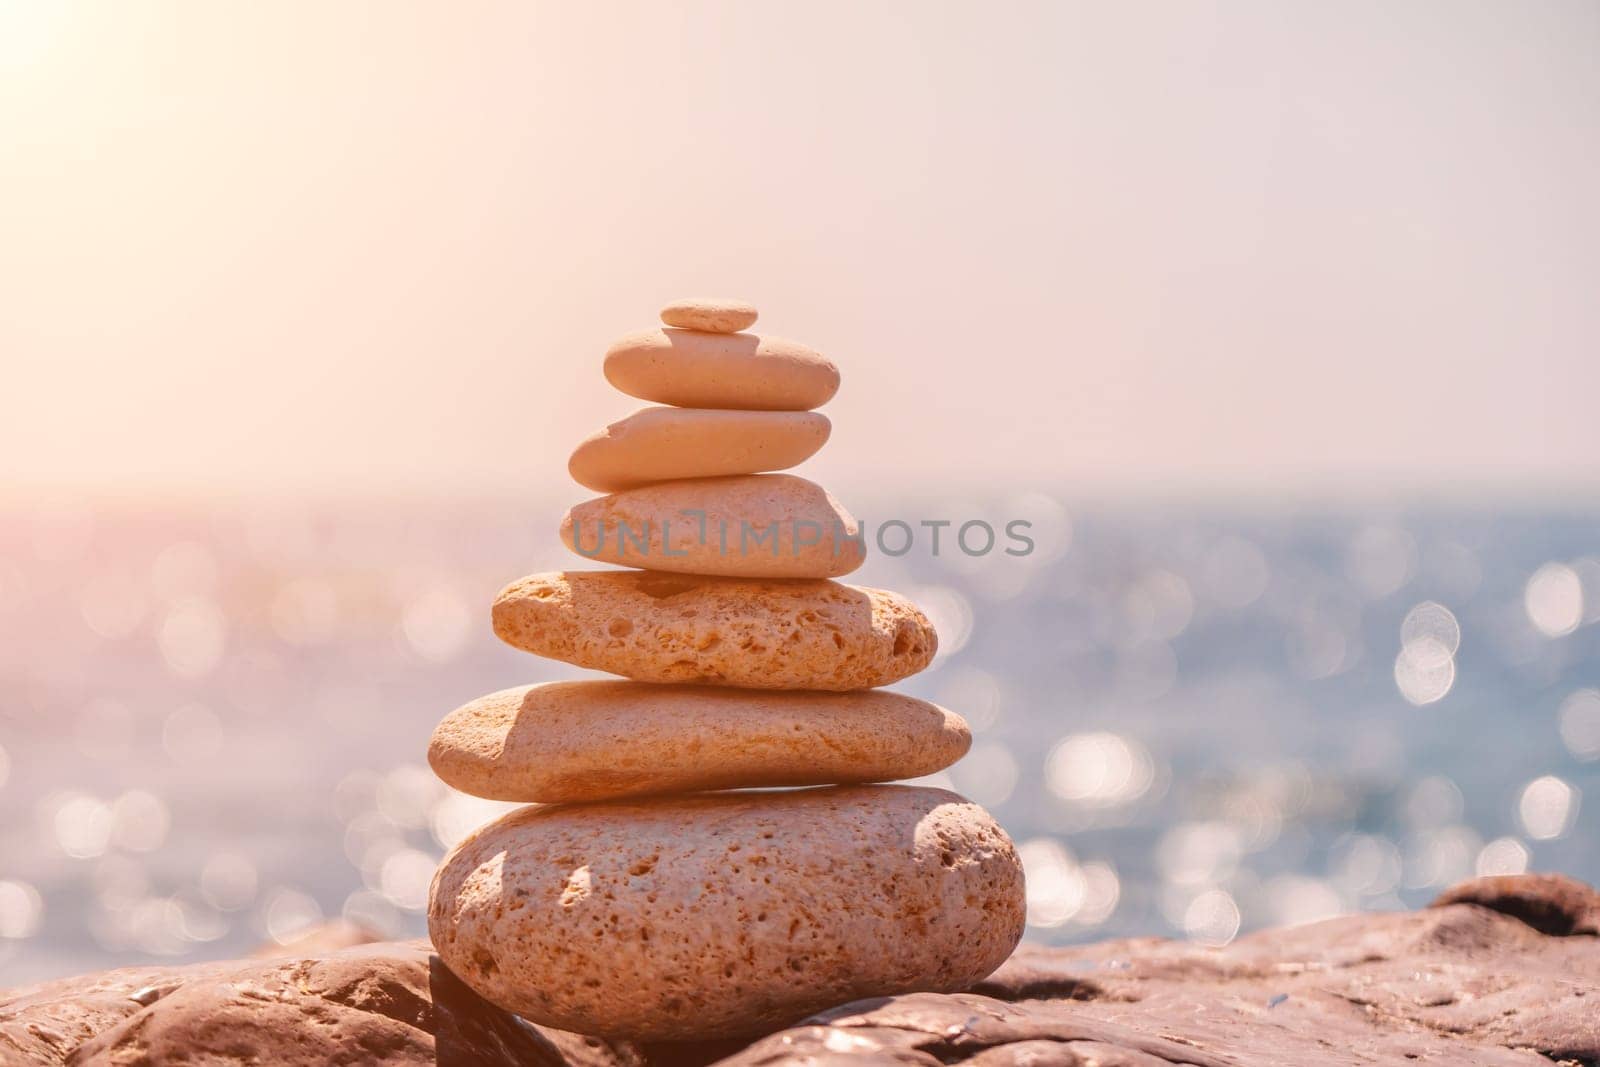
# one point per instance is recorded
(725, 914)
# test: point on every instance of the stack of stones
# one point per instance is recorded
(640, 895)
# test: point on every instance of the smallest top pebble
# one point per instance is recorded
(710, 315)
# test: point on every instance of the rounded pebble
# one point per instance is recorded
(748, 526)
(720, 915)
(711, 315)
(664, 444)
(690, 369)
(719, 631)
(575, 741)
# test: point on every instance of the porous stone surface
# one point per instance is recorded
(577, 741)
(721, 631)
(1467, 981)
(711, 314)
(664, 444)
(722, 914)
(749, 526)
(386, 1003)
(692, 369)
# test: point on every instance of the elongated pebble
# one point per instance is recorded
(575, 741)
(713, 315)
(749, 526)
(690, 369)
(753, 634)
(662, 444)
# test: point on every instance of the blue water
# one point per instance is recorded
(1191, 717)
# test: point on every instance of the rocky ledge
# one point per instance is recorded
(1497, 971)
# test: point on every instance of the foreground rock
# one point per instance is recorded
(388, 1003)
(1463, 982)
(1473, 980)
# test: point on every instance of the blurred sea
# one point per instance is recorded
(1194, 719)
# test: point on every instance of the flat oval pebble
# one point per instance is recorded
(691, 369)
(719, 631)
(664, 444)
(574, 741)
(719, 915)
(713, 315)
(748, 526)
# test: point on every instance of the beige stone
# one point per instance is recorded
(690, 369)
(724, 914)
(747, 526)
(575, 741)
(664, 444)
(712, 315)
(720, 631)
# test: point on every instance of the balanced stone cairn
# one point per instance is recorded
(635, 897)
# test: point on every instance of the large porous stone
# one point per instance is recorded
(719, 915)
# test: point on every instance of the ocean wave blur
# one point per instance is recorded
(1194, 720)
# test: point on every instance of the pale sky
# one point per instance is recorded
(1275, 245)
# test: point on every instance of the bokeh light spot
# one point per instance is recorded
(1212, 918)
(1548, 807)
(1579, 721)
(1553, 599)
(1098, 769)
